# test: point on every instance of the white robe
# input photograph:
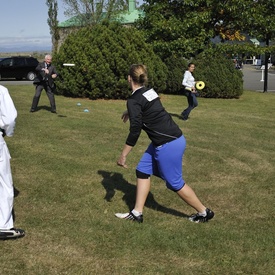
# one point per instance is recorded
(8, 115)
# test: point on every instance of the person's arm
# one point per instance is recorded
(122, 159)
(134, 113)
(8, 112)
(187, 81)
(54, 72)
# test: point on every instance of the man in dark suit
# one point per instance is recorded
(46, 73)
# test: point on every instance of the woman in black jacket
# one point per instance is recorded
(163, 157)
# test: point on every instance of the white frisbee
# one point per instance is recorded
(68, 64)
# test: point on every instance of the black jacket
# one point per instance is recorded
(146, 112)
(43, 78)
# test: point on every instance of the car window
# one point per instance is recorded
(32, 61)
(6, 62)
(19, 61)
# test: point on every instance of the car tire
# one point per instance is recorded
(31, 76)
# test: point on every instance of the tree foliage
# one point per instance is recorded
(102, 58)
(91, 12)
(221, 78)
(185, 28)
(53, 22)
(176, 27)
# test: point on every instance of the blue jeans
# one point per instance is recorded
(192, 103)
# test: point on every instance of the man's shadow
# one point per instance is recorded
(114, 181)
(47, 108)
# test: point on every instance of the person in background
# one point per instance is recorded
(163, 157)
(190, 91)
(46, 73)
(8, 115)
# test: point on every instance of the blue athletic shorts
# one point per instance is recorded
(165, 162)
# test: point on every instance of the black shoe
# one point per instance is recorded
(53, 111)
(198, 218)
(32, 110)
(12, 233)
(130, 216)
(183, 117)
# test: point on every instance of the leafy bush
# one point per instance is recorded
(221, 78)
(176, 68)
(102, 56)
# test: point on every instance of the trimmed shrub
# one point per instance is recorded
(176, 68)
(102, 56)
(221, 78)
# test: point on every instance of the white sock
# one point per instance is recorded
(203, 213)
(136, 213)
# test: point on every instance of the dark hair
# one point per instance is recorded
(138, 73)
(190, 64)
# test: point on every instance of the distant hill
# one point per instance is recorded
(24, 49)
(37, 54)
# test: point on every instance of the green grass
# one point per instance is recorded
(64, 168)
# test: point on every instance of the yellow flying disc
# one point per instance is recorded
(200, 85)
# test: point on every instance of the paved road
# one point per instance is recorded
(252, 80)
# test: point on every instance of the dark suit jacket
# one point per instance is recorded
(42, 77)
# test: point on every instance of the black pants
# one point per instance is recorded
(49, 91)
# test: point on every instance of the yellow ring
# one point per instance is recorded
(200, 85)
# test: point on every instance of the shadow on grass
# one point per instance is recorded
(47, 108)
(113, 182)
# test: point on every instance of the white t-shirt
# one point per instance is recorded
(188, 80)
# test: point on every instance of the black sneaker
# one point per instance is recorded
(198, 218)
(12, 233)
(130, 216)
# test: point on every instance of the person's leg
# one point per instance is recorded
(169, 160)
(38, 91)
(192, 103)
(145, 168)
(186, 112)
(143, 188)
(195, 101)
(6, 188)
(189, 196)
(50, 95)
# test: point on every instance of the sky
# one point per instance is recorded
(23, 25)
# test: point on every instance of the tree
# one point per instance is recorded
(102, 58)
(256, 19)
(177, 27)
(261, 23)
(91, 12)
(53, 22)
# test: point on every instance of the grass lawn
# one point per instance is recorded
(69, 187)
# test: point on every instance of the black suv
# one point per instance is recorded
(18, 67)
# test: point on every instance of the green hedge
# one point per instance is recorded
(221, 78)
(102, 56)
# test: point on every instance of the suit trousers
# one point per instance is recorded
(6, 187)
(49, 91)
